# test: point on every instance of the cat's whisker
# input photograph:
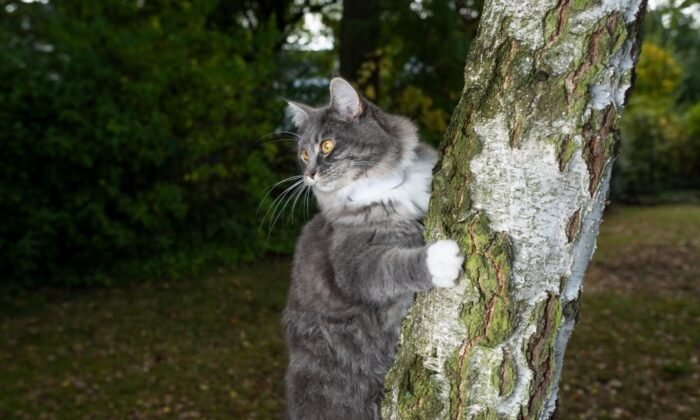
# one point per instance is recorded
(277, 133)
(284, 180)
(277, 201)
(299, 193)
(290, 133)
(269, 189)
(284, 206)
(279, 141)
(274, 216)
(307, 198)
(295, 137)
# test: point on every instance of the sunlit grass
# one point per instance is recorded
(626, 230)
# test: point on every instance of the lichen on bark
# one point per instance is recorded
(520, 185)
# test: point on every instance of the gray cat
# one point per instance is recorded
(359, 262)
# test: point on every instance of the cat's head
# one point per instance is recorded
(350, 140)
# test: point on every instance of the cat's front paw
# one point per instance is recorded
(444, 262)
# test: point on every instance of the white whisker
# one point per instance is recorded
(296, 198)
(276, 213)
(277, 201)
(269, 189)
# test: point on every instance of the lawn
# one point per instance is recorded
(635, 353)
(212, 348)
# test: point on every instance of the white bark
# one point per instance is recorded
(541, 178)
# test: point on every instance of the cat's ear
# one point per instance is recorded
(298, 113)
(345, 99)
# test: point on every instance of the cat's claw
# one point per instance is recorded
(444, 263)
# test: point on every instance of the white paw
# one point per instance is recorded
(444, 262)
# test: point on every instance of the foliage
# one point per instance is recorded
(660, 151)
(129, 130)
(658, 73)
(411, 32)
(413, 101)
(673, 26)
(660, 141)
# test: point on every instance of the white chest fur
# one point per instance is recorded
(407, 189)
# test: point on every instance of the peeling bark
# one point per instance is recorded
(521, 186)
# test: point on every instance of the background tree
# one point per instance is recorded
(418, 79)
(521, 184)
(388, 49)
(660, 152)
(359, 43)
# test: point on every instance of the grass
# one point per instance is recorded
(212, 347)
(642, 365)
(204, 348)
(635, 352)
(631, 229)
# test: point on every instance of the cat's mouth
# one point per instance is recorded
(318, 184)
(328, 183)
(311, 182)
(326, 188)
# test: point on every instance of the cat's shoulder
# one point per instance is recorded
(317, 226)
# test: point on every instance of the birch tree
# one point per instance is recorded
(521, 185)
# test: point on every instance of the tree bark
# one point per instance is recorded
(521, 185)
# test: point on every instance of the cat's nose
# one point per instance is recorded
(311, 177)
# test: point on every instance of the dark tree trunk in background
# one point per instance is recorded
(359, 35)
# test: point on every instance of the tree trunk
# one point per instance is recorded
(521, 185)
(359, 37)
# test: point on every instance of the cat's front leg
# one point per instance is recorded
(379, 273)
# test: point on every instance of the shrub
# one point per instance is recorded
(128, 131)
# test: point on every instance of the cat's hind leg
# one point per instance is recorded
(318, 399)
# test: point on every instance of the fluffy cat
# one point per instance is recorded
(360, 260)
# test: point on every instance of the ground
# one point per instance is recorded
(212, 347)
(636, 350)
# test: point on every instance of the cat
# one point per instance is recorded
(359, 261)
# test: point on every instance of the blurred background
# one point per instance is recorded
(145, 248)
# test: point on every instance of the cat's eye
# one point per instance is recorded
(327, 146)
(304, 155)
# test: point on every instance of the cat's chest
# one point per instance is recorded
(363, 236)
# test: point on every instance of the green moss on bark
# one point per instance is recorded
(487, 414)
(457, 368)
(417, 398)
(506, 376)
